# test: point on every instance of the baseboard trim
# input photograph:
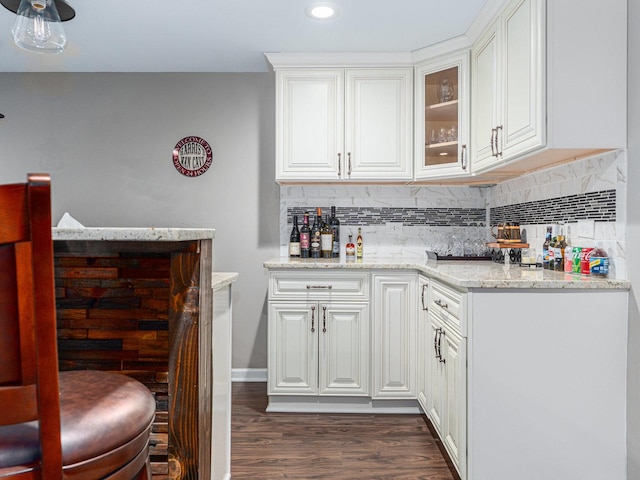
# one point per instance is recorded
(248, 374)
(316, 404)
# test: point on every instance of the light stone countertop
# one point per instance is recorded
(220, 280)
(133, 234)
(465, 274)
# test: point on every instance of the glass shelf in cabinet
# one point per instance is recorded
(440, 153)
(447, 111)
(445, 146)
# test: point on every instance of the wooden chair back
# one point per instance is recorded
(28, 343)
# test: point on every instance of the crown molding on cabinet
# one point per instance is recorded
(488, 14)
(351, 60)
(436, 50)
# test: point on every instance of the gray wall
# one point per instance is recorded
(107, 138)
(633, 241)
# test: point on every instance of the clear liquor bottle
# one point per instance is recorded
(326, 239)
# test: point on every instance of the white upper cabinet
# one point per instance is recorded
(534, 83)
(310, 124)
(378, 118)
(343, 124)
(442, 117)
(508, 110)
(548, 84)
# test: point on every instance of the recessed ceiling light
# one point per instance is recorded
(322, 11)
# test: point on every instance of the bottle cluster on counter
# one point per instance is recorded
(320, 239)
(559, 255)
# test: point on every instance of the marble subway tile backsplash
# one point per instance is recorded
(408, 216)
(598, 206)
(591, 189)
(425, 213)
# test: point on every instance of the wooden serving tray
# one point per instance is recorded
(507, 245)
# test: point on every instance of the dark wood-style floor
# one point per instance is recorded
(267, 446)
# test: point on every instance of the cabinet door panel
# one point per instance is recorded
(395, 342)
(378, 124)
(455, 425)
(523, 89)
(425, 346)
(293, 354)
(310, 113)
(344, 349)
(437, 377)
(484, 110)
(439, 152)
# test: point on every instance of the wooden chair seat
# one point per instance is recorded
(100, 412)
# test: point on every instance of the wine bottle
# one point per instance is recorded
(545, 249)
(359, 243)
(294, 239)
(552, 252)
(316, 232)
(305, 237)
(335, 226)
(326, 239)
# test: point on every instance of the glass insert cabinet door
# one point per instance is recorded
(442, 118)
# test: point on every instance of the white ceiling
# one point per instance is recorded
(231, 35)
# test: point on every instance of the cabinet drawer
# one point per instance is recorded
(449, 302)
(318, 284)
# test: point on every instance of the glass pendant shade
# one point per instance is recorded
(38, 28)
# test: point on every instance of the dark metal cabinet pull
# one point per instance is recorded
(339, 165)
(327, 287)
(440, 304)
(349, 163)
(313, 318)
(498, 149)
(442, 360)
(463, 159)
(324, 319)
(435, 342)
(494, 133)
(424, 307)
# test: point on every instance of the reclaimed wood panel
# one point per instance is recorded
(133, 307)
(184, 395)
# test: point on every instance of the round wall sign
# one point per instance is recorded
(192, 156)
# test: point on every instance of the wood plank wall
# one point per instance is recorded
(114, 313)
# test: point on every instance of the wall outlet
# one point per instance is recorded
(586, 228)
(394, 228)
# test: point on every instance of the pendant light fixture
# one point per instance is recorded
(38, 26)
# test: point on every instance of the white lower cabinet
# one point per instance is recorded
(319, 348)
(447, 365)
(319, 333)
(424, 348)
(394, 344)
(479, 361)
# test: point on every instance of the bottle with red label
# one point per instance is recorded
(585, 258)
(305, 235)
(350, 249)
